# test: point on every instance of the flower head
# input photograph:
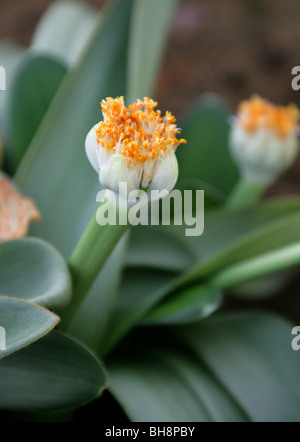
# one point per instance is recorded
(16, 212)
(135, 145)
(264, 138)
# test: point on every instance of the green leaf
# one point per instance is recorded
(258, 267)
(229, 237)
(274, 235)
(149, 31)
(167, 247)
(206, 130)
(235, 234)
(32, 87)
(64, 30)
(251, 355)
(156, 381)
(55, 373)
(23, 323)
(266, 287)
(31, 269)
(139, 291)
(243, 234)
(159, 250)
(229, 368)
(146, 296)
(186, 305)
(9, 54)
(224, 229)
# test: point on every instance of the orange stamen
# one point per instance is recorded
(258, 113)
(138, 132)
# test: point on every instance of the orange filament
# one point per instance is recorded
(258, 113)
(138, 132)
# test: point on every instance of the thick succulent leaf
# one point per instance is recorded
(233, 235)
(55, 373)
(157, 249)
(206, 130)
(139, 291)
(161, 383)
(150, 18)
(264, 287)
(252, 356)
(224, 229)
(229, 237)
(278, 234)
(190, 304)
(64, 30)
(32, 87)
(33, 270)
(261, 277)
(9, 54)
(229, 368)
(22, 323)
(144, 297)
(260, 266)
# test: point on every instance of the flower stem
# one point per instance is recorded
(246, 193)
(86, 262)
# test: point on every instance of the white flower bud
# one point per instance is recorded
(92, 149)
(165, 174)
(264, 140)
(134, 145)
(116, 171)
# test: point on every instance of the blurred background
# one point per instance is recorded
(234, 48)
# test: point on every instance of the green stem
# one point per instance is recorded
(246, 193)
(86, 262)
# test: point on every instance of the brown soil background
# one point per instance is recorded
(234, 48)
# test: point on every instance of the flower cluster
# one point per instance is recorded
(135, 145)
(264, 139)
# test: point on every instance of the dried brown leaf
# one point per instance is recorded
(16, 212)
